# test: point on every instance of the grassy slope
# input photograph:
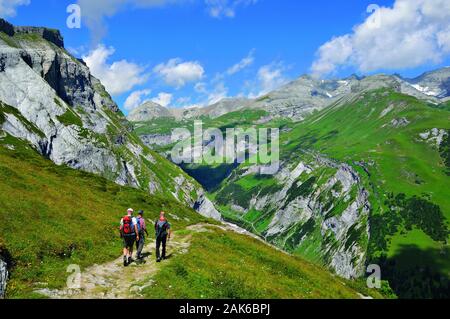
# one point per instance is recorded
(399, 162)
(166, 125)
(52, 216)
(228, 265)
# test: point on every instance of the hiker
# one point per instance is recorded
(142, 231)
(163, 232)
(129, 233)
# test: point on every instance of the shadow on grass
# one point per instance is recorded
(418, 273)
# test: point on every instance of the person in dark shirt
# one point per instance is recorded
(162, 232)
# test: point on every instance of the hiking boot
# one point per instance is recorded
(158, 260)
(125, 261)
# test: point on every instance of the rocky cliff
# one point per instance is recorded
(3, 277)
(315, 205)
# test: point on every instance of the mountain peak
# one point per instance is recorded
(51, 35)
(148, 111)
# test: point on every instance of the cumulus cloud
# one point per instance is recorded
(163, 99)
(410, 34)
(118, 77)
(226, 8)
(177, 73)
(94, 12)
(271, 77)
(245, 62)
(135, 99)
(8, 8)
(139, 97)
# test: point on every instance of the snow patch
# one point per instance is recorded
(425, 90)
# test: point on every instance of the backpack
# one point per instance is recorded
(128, 228)
(161, 227)
(139, 224)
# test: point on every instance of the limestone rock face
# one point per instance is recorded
(319, 206)
(6, 27)
(149, 111)
(345, 186)
(156, 139)
(206, 208)
(435, 83)
(3, 277)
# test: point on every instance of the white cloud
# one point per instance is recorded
(219, 92)
(335, 52)
(135, 99)
(118, 77)
(270, 77)
(410, 34)
(95, 11)
(177, 73)
(210, 93)
(8, 8)
(226, 8)
(163, 99)
(245, 62)
(139, 97)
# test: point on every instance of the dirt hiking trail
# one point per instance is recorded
(112, 281)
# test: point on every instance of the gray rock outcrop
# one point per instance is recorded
(51, 35)
(323, 213)
(3, 277)
(206, 208)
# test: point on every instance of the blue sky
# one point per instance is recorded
(195, 52)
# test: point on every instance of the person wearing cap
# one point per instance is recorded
(129, 233)
(142, 229)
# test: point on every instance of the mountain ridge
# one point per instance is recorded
(306, 94)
